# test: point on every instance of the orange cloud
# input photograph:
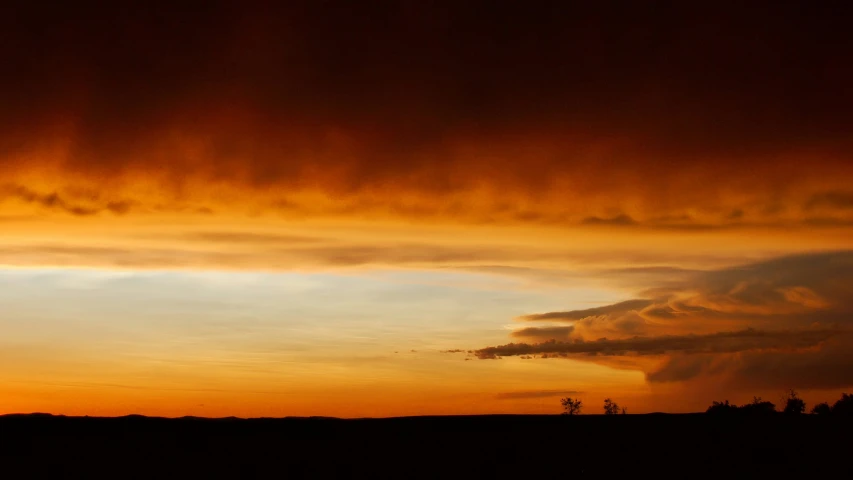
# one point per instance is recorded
(792, 310)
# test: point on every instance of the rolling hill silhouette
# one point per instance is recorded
(488, 446)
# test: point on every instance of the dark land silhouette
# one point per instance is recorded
(491, 446)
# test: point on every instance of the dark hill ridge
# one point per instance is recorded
(488, 446)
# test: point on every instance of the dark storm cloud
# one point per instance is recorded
(792, 318)
(829, 366)
(806, 279)
(790, 291)
(380, 92)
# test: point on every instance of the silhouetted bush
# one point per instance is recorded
(794, 405)
(758, 407)
(721, 408)
(571, 406)
(610, 407)
(844, 406)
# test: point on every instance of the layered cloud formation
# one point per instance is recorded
(786, 322)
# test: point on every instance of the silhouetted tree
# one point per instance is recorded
(624, 411)
(758, 407)
(844, 406)
(721, 407)
(571, 406)
(794, 405)
(610, 407)
(822, 408)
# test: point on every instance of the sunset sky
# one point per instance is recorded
(403, 208)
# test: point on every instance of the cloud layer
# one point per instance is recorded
(467, 112)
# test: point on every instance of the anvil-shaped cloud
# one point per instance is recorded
(780, 323)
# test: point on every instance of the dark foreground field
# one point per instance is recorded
(589, 446)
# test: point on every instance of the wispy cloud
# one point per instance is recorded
(535, 394)
(621, 219)
(621, 307)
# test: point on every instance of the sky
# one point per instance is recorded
(405, 208)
